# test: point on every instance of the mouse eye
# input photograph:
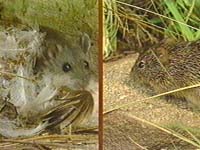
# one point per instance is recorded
(66, 67)
(141, 64)
(86, 64)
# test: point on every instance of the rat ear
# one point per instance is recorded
(162, 54)
(85, 42)
(141, 51)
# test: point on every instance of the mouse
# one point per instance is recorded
(58, 65)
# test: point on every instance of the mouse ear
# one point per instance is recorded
(85, 42)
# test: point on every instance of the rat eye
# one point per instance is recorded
(141, 64)
(86, 64)
(66, 67)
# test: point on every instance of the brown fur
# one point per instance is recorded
(166, 67)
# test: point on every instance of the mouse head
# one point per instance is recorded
(72, 65)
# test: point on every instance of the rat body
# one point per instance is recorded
(167, 67)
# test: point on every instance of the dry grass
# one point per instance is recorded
(49, 141)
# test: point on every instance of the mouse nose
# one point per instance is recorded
(132, 69)
(81, 85)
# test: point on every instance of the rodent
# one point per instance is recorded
(57, 63)
(63, 63)
(68, 63)
(169, 66)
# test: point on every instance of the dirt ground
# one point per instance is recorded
(122, 132)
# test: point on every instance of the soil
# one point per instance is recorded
(123, 132)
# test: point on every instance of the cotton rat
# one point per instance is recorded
(169, 66)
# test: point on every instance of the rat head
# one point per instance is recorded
(65, 63)
(150, 67)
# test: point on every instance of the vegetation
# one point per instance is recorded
(141, 23)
